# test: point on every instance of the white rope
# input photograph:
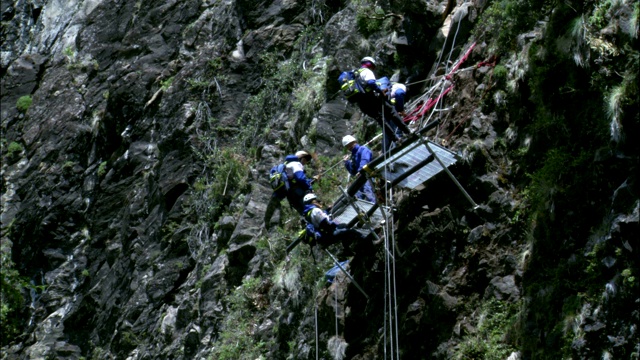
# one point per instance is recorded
(335, 288)
(438, 82)
(439, 105)
(390, 286)
(384, 322)
(393, 264)
(316, 320)
(386, 237)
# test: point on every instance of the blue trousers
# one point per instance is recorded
(366, 192)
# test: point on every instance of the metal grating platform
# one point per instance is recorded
(348, 213)
(397, 164)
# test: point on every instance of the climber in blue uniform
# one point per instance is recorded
(360, 156)
(293, 185)
(327, 231)
(373, 103)
(299, 183)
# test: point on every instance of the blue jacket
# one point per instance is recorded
(360, 156)
(296, 174)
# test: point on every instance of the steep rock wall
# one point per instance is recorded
(104, 208)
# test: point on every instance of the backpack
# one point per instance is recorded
(278, 178)
(349, 85)
(311, 235)
(383, 83)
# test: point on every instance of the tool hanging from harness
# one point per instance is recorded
(350, 84)
(278, 177)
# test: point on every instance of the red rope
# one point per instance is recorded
(422, 108)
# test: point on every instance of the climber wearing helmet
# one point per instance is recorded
(327, 231)
(360, 156)
(299, 184)
(374, 104)
(289, 180)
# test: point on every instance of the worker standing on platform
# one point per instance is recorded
(360, 156)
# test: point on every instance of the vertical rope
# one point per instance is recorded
(316, 323)
(385, 231)
(395, 297)
(384, 322)
(390, 297)
(335, 288)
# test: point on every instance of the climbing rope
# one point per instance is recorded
(316, 322)
(393, 283)
(424, 109)
(390, 308)
(418, 114)
(335, 294)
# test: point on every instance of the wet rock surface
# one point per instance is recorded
(98, 208)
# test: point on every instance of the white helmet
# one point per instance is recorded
(309, 198)
(369, 59)
(302, 154)
(348, 139)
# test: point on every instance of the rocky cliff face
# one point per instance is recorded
(136, 138)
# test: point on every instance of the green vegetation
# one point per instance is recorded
(493, 339)
(14, 150)
(301, 74)
(236, 341)
(334, 175)
(309, 93)
(77, 63)
(226, 178)
(102, 169)
(168, 229)
(70, 54)
(573, 115)
(629, 279)
(166, 83)
(12, 299)
(504, 20)
(500, 73)
(23, 103)
(369, 18)
(68, 165)
(129, 340)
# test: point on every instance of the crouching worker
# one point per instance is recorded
(326, 231)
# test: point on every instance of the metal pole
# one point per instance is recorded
(316, 319)
(362, 214)
(475, 206)
(346, 273)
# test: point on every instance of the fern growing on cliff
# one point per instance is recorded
(11, 298)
